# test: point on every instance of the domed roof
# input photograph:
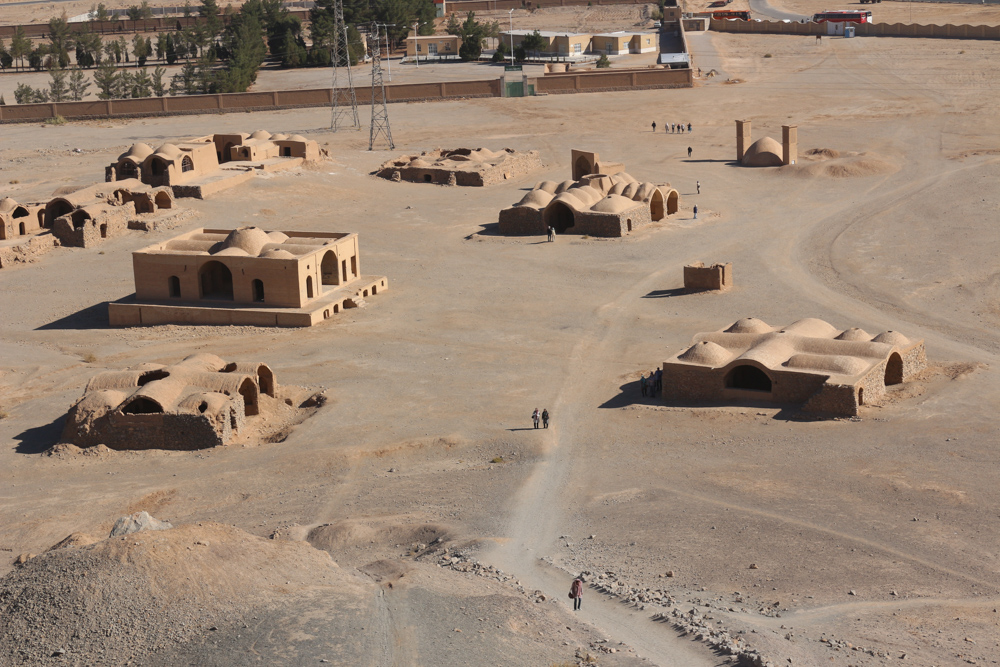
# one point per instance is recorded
(622, 177)
(483, 153)
(706, 353)
(261, 134)
(275, 253)
(100, 400)
(829, 363)
(250, 240)
(749, 325)
(617, 188)
(765, 152)
(169, 151)
(277, 237)
(547, 186)
(420, 163)
(812, 326)
(568, 199)
(232, 252)
(630, 190)
(613, 204)
(536, 199)
(587, 194)
(891, 338)
(279, 137)
(7, 204)
(855, 334)
(564, 186)
(138, 152)
(645, 192)
(297, 137)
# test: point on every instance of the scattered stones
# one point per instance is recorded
(136, 523)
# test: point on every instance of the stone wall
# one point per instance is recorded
(522, 221)
(29, 249)
(718, 277)
(104, 223)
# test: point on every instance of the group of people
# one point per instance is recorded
(652, 384)
(674, 128)
(543, 416)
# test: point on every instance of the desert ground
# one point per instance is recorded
(417, 518)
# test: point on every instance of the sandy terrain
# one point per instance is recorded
(876, 532)
(891, 11)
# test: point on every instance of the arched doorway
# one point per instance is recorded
(227, 152)
(861, 395)
(748, 377)
(141, 405)
(216, 281)
(559, 216)
(127, 169)
(163, 200)
(672, 202)
(174, 287)
(309, 287)
(80, 218)
(656, 206)
(581, 168)
(248, 390)
(328, 269)
(56, 209)
(159, 172)
(894, 369)
(187, 164)
(20, 229)
(258, 290)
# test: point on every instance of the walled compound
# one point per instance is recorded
(85, 217)
(198, 403)
(17, 220)
(810, 362)
(202, 166)
(246, 276)
(461, 166)
(766, 152)
(602, 200)
(718, 277)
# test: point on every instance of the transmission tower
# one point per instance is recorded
(380, 113)
(344, 103)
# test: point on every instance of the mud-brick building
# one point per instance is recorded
(809, 363)
(198, 403)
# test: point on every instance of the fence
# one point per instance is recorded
(613, 79)
(863, 29)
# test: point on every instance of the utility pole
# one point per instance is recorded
(380, 111)
(343, 101)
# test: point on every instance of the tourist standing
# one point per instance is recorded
(576, 592)
(534, 417)
(695, 211)
(654, 127)
(689, 127)
(642, 384)
(659, 380)
(545, 418)
(697, 185)
(552, 234)
(689, 151)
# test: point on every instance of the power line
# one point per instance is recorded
(380, 111)
(343, 101)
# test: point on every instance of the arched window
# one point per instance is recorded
(174, 287)
(127, 169)
(309, 287)
(187, 164)
(258, 291)
(216, 281)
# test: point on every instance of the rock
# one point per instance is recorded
(58, 652)
(753, 566)
(136, 523)
(852, 592)
(23, 558)
(670, 573)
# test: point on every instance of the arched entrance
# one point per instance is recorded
(248, 390)
(672, 202)
(80, 218)
(309, 287)
(328, 269)
(163, 200)
(656, 206)
(159, 172)
(258, 291)
(187, 164)
(127, 169)
(581, 168)
(174, 287)
(748, 377)
(216, 281)
(56, 209)
(142, 405)
(227, 152)
(20, 229)
(894, 369)
(559, 216)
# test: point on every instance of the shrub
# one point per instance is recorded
(56, 120)
(603, 61)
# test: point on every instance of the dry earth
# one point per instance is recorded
(878, 532)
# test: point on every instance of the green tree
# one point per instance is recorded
(20, 47)
(159, 85)
(209, 10)
(122, 49)
(107, 80)
(603, 62)
(88, 48)
(77, 85)
(171, 50)
(185, 81)
(520, 55)
(99, 13)
(245, 44)
(139, 50)
(24, 94)
(141, 84)
(60, 40)
(533, 43)
(501, 54)
(58, 91)
(472, 33)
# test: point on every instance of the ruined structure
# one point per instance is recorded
(17, 220)
(809, 363)
(205, 165)
(698, 277)
(198, 403)
(602, 200)
(461, 166)
(766, 152)
(85, 217)
(246, 276)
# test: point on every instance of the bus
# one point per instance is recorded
(741, 14)
(844, 16)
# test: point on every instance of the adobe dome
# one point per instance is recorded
(613, 204)
(622, 177)
(250, 240)
(547, 186)
(168, 151)
(261, 134)
(830, 363)
(587, 194)
(749, 325)
(564, 186)
(630, 190)
(536, 199)
(706, 353)
(891, 338)
(570, 200)
(232, 252)
(101, 400)
(645, 192)
(296, 137)
(420, 163)
(138, 152)
(277, 237)
(855, 334)
(279, 137)
(765, 152)
(7, 205)
(812, 326)
(275, 253)
(617, 188)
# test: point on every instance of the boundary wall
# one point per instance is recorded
(124, 26)
(594, 81)
(947, 31)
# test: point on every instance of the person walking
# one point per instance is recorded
(642, 384)
(689, 127)
(654, 127)
(545, 418)
(689, 151)
(552, 234)
(534, 417)
(576, 592)
(695, 211)
(697, 185)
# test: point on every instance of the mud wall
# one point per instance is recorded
(947, 31)
(607, 80)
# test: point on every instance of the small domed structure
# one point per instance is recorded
(706, 353)
(765, 152)
(855, 334)
(261, 134)
(891, 338)
(749, 325)
(137, 152)
(250, 240)
(613, 204)
(536, 199)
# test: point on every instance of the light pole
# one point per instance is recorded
(388, 58)
(510, 15)
(416, 44)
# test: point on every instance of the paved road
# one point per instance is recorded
(761, 7)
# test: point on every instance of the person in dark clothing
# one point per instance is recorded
(642, 384)
(552, 234)
(690, 151)
(659, 380)
(696, 212)
(545, 418)
(689, 127)
(654, 127)
(576, 592)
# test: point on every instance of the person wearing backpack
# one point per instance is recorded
(576, 593)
